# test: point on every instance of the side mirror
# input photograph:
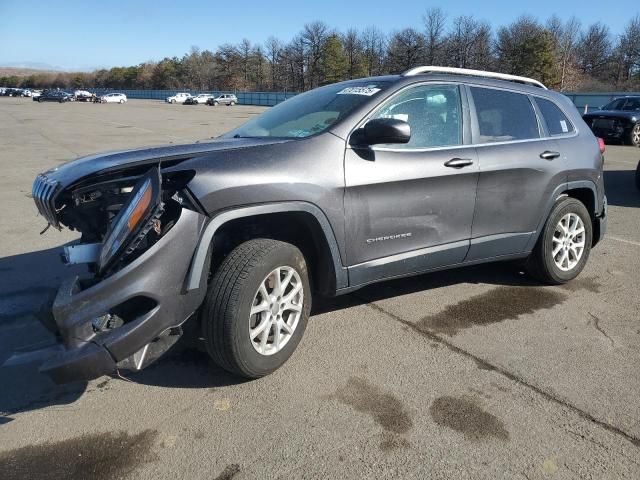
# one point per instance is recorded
(383, 131)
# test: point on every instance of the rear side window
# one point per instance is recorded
(504, 116)
(557, 122)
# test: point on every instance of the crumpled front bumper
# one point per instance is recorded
(151, 289)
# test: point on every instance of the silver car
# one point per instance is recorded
(228, 99)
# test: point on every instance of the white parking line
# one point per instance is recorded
(618, 239)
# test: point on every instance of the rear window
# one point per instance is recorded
(504, 116)
(557, 122)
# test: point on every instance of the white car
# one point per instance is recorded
(202, 98)
(178, 98)
(82, 95)
(113, 98)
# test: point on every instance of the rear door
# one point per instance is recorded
(520, 167)
(409, 207)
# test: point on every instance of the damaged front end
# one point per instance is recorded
(139, 228)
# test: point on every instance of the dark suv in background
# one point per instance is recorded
(334, 189)
(618, 120)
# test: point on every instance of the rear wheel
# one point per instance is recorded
(257, 307)
(232, 103)
(634, 135)
(564, 245)
(121, 101)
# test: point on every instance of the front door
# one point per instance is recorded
(409, 207)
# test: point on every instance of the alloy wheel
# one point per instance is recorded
(568, 242)
(276, 310)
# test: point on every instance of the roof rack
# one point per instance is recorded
(474, 73)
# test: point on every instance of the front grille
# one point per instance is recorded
(44, 191)
(605, 123)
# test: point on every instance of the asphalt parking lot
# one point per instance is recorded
(473, 373)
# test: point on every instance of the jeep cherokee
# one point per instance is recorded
(334, 189)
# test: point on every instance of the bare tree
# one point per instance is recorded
(594, 50)
(434, 22)
(314, 38)
(353, 49)
(274, 52)
(405, 50)
(374, 46)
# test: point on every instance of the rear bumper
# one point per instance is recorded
(148, 295)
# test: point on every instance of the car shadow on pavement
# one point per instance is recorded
(620, 187)
(499, 273)
(28, 283)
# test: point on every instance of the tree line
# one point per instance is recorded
(565, 55)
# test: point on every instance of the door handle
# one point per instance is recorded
(549, 155)
(458, 162)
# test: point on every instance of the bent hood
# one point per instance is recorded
(75, 170)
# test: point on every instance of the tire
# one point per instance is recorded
(225, 314)
(541, 264)
(121, 101)
(232, 103)
(638, 176)
(173, 101)
(215, 104)
(40, 100)
(634, 135)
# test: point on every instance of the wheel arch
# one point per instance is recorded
(307, 227)
(583, 190)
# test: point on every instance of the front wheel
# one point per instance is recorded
(634, 135)
(257, 307)
(564, 245)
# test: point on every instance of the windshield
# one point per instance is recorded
(311, 112)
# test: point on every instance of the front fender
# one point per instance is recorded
(196, 276)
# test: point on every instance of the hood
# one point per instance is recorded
(73, 171)
(612, 114)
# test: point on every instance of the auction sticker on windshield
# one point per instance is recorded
(368, 91)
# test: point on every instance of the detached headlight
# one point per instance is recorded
(133, 217)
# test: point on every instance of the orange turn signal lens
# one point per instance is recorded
(140, 209)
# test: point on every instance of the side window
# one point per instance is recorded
(504, 116)
(432, 111)
(557, 122)
(632, 104)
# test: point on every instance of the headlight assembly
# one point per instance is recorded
(134, 219)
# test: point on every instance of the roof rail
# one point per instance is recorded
(474, 73)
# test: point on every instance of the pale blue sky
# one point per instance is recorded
(75, 34)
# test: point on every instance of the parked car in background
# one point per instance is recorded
(618, 120)
(113, 98)
(26, 92)
(228, 99)
(35, 94)
(198, 99)
(337, 188)
(178, 98)
(83, 95)
(13, 92)
(54, 96)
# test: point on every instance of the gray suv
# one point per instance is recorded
(334, 189)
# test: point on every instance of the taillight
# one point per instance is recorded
(601, 145)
